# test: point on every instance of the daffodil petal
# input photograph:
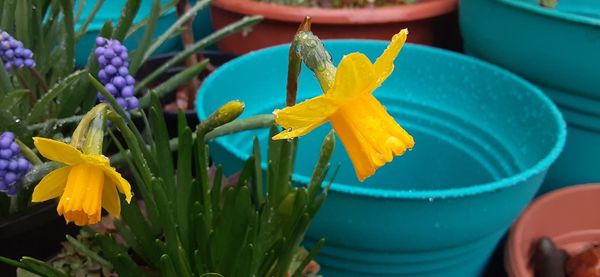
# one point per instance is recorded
(57, 151)
(110, 198)
(52, 185)
(302, 118)
(120, 182)
(355, 76)
(385, 63)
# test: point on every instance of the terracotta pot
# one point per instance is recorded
(430, 22)
(568, 216)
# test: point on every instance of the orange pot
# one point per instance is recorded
(569, 216)
(430, 22)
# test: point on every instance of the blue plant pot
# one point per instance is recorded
(557, 49)
(111, 10)
(484, 140)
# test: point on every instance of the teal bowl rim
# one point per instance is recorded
(98, 22)
(553, 13)
(538, 168)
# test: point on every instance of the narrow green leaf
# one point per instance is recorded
(137, 26)
(89, 17)
(43, 103)
(42, 266)
(127, 16)
(12, 99)
(8, 14)
(67, 11)
(201, 44)
(322, 165)
(88, 252)
(184, 183)
(176, 81)
(313, 253)
(178, 24)
(5, 83)
(167, 269)
(23, 22)
(138, 56)
(258, 179)
(163, 151)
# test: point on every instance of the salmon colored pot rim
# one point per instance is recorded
(514, 265)
(421, 10)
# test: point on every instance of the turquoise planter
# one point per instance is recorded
(111, 10)
(559, 50)
(484, 140)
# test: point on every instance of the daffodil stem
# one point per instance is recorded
(28, 153)
(295, 65)
(251, 123)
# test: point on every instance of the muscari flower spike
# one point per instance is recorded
(14, 54)
(114, 72)
(86, 182)
(370, 135)
(13, 166)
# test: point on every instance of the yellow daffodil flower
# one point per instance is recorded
(85, 185)
(369, 134)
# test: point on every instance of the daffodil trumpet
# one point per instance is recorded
(370, 135)
(86, 182)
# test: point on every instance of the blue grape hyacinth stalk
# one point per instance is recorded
(13, 166)
(114, 72)
(13, 53)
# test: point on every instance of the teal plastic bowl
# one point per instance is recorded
(484, 140)
(557, 49)
(111, 10)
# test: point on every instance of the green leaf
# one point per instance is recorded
(201, 44)
(138, 56)
(322, 165)
(174, 82)
(88, 252)
(127, 16)
(258, 179)
(8, 14)
(163, 153)
(23, 22)
(89, 17)
(167, 269)
(67, 10)
(5, 82)
(140, 24)
(12, 99)
(118, 256)
(184, 182)
(43, 103)
(175, 26)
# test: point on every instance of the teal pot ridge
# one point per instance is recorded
(558, 50)
(111, 10)
(484, 141)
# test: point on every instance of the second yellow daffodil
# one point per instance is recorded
(369, 134)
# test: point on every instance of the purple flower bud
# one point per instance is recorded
(132, 103)
(124, 55)
(27, 53)
(3, 164)
(100, 41)
(5, 45)
(13, 43)
(14, 147)
(5, 153)
(122, 102)
(127, 91)
(119, 82)
(9, 53)
(29, 63)
(13, 165)
(110, 70)
(19, 52)
(18, 63)
(99, 51)
(130, 80)
(23, 165)
(102, 75)
(123, 71)
(100, 97)
(109, 53)
(10, 177)
(116, 62)
(102, 60)
(111, 88)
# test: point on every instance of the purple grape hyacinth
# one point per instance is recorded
(13, 166)
(114, 72)
(13, 54)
